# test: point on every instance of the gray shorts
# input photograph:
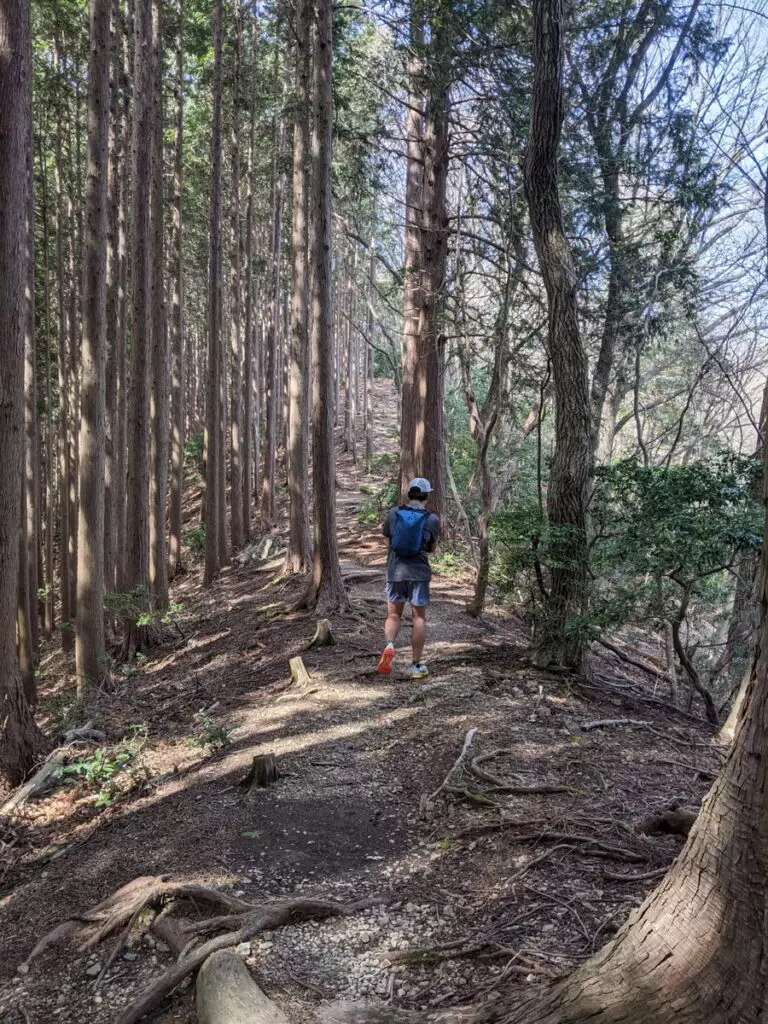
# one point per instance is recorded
(409, 590)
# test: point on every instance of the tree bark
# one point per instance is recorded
(214, 453)
(31, 520)
(89, 637)
(136, 575)
(160, 403)
(250, 420)
(178, 376)
(20, 740)
(113, 299)
(237, 528)
(299, 554)
(370, 350)
(50, 606)
(559, 639)
(326, 591)
(121, 426)
(273, 365)
(65, 468)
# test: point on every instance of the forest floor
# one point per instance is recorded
(517, 887)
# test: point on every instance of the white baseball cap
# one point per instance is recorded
(420, 484)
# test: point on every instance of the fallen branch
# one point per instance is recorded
(628, 660)
(44, 778)
(428, 801)
(588, 845)
(617, 876)
(500, 786)
(607, 723)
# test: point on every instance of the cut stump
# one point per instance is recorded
(263, 772)
(299, 673)
(323, 635)
(227, 994)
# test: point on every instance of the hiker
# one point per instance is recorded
(413, 533)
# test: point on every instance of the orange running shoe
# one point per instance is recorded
(385, 662)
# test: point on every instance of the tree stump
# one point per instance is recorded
(227, 994)
(263, 772)
(323, 635)
(299, 673)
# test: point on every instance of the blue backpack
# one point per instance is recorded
(407, 537)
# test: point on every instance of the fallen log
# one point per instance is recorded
(44, 778)
(227, 994)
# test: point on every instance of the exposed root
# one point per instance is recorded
(428, 801)
(500, 786)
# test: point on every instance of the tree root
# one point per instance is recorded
(500, 786)
(258, 919)
(588, 845)
(428, 801)
(122, 909)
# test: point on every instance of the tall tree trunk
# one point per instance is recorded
(412, 419)
(350, 394)
(121, 429)
(273, 363)
(20, 740)
(89, 638)
(31, 505)
(214, 453)
(113, 299)
(50, 606)
(370, 350)
(65, 467)
(237, 527)
(136, 575)
(178, 377)
(160, 399)
(559, 640)
(326, 591)
(248, 356)
(299, 553)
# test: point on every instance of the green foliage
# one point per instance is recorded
(378, 502)
(194, 538)
(99, 772)
(128, 605)
(209, 735)
(663, 532)
(193, 453)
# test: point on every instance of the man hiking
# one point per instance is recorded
(413, 533)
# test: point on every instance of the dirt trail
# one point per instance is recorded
(357, 754)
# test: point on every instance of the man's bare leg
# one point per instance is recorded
(419, 635)
(391, 629)
(392, 625)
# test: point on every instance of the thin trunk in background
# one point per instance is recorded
(369, 349)
(326, 592)
(214, 447)
(50, 606)
(274, 375)
(30, 526)
(248, 356)
(178, 376)
(113, 287)
(65, 467)
(237, 526)
(160, 398)
(121, 422)
(89, 635)
(136, 573)
(299, 554)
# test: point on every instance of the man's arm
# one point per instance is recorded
(434, 534)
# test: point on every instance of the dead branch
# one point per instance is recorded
(44, 778)
(428, 801)
(607, 723)
(617, 876)
(500, 786)
(635, 662)
(589, 845)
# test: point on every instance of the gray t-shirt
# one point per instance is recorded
(416, 569)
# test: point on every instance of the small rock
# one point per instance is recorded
(243, 949)
(130, 957)
(93, 971)
(22, 969)
(162, 947)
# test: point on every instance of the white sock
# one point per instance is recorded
(390, 644)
